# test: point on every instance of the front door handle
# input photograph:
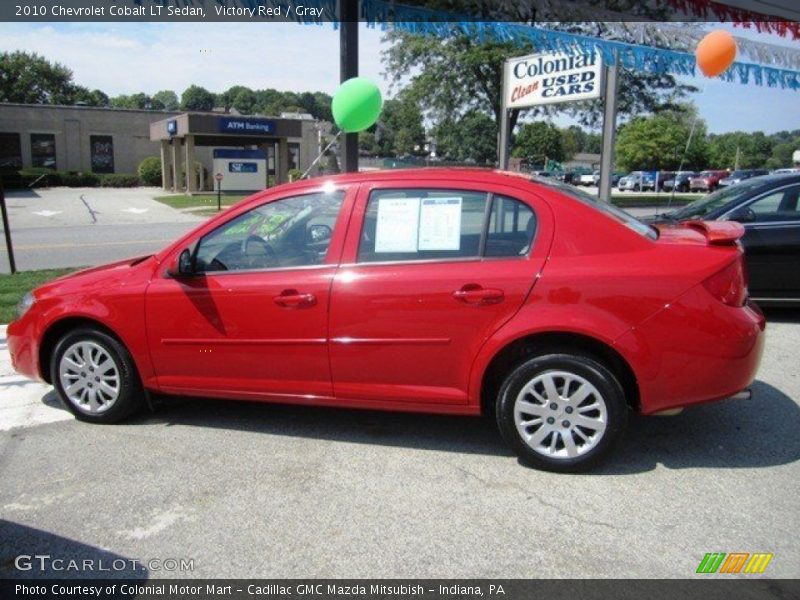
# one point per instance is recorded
(474, 294)
(294, 299)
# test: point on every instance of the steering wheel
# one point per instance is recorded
(266, 257)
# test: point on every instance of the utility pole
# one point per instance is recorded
(7, 229)
(348, 68)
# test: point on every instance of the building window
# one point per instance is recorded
(43, 150)
(102, 153)
(294, 156)
(10, 151)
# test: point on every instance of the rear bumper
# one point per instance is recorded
(695, 350)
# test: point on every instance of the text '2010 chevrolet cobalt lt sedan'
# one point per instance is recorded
(445, 291)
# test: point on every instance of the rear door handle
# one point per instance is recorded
(294, 299)
(475, 294)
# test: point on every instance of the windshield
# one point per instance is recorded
(700, 208)
(609, 209)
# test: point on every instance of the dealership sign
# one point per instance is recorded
(551, 78)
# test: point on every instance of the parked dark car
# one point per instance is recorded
(768, 208)
(615, 177)
(657, 181)
(679, 181)
(707, 181)
(741, 175)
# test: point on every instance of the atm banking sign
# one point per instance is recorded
(251, 126)
(551, 78)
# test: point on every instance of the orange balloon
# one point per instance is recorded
(715, 53)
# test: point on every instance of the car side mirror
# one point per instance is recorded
(182, 265)
(318, 233)
(742, 215)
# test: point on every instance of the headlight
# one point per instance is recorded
(25, 304)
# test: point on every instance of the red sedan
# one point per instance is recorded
(443, 290)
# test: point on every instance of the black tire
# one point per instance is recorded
(591, 371)
(130, 398)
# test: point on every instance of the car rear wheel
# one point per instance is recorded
(95, 377)
(561, 412)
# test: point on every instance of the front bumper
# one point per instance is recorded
(23, 345)
(695, 350)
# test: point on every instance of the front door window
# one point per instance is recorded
(291, 232)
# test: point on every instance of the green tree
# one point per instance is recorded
(399, 129)
(754, 149)
(658, 142)
(139, 101)
(227, 98)
(149, 171)
(90, 98)
(367, 144)
(197, 98)
(461, 73)
(594, 143)
(245, 101)
(537, 141)
(573, 141)
(782, 154)
(165, 100)
(470, 138)
(28, 78)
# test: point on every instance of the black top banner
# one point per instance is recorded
(318, 11)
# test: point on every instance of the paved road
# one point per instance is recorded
(247, 489)
(70, 227)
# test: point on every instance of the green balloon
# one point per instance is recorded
(356, 105)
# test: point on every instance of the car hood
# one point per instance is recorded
(108, 276)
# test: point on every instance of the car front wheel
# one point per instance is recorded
(561, 412)
(95, 377)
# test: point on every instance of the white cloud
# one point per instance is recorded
(147, 58)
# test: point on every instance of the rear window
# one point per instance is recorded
(606, 208)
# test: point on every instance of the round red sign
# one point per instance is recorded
(218, 176)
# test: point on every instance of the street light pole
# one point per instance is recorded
(348, 68)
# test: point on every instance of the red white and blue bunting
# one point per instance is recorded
(378, 13)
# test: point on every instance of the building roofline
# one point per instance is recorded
(81, 107)
(162, 114)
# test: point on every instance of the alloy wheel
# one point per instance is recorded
(560, 415)
(89, 377)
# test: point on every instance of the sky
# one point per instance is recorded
(123, 58)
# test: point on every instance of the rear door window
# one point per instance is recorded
(434, 224)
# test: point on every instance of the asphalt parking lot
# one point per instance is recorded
(245, 489)
(73, 227)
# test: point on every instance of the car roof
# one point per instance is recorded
(432, 173)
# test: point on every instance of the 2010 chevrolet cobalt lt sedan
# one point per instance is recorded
(445, 291)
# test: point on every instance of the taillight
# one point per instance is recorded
(729, 286)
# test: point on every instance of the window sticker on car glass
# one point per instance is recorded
(440, 224)
(398, 225)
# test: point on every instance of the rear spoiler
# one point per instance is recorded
(718, 233)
